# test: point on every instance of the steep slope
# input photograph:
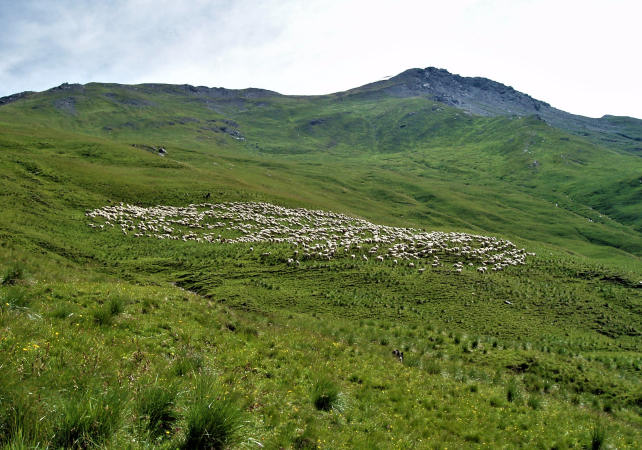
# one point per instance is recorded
(129, 337)
(409, 156)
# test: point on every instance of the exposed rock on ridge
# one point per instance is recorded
(481, 96)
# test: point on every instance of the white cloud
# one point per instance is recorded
(580, 56)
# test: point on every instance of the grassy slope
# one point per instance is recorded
(569, 343)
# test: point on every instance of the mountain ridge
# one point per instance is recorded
(477, 96)
(485, 97)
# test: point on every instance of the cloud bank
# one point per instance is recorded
(580, 56)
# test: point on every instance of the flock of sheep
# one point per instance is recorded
(313, 234)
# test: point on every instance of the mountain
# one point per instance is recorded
(442, 163)
(473, 277)
(481, 96)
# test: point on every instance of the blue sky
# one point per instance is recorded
(580, 56)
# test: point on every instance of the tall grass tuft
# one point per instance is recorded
(103, 317)
(598, 437)
(186, 364)
(16, 297)
(105, 314)
(115, 306)
(512, 392)
(18, 416)
(12, 274)
(326, 395)
(156, 409)
(213, 420)
(88, 421)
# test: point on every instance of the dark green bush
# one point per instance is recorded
(105, 314)
(61, 311)
(432, 367)
(534, 402)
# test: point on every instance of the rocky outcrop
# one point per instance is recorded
(14, 97)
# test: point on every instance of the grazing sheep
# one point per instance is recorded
(319, 234)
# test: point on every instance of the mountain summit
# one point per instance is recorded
(476, 95)
(483, 97)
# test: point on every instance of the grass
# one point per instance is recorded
(214, 420)
(18, 415)
(513, 393)
(598, 437)
(12, 274)
(105, 313)
(326, 395)
(156, 408)
(88, 420)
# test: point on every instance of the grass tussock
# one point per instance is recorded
(13, 274)
(598, 437)
(18, 415)
(15, 297)
(326, 395)
(104, 315)
(156, 408)
(89, 420)
(513, 393)
(187, 364)
(213, 419)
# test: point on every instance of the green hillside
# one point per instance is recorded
(109, 339)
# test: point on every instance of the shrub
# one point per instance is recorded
(473, 437)
(213, 421)
(155, 408)
(326, 395)
(88, 421)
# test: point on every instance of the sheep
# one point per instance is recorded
(319, 234)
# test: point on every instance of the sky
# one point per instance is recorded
(579, 56)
